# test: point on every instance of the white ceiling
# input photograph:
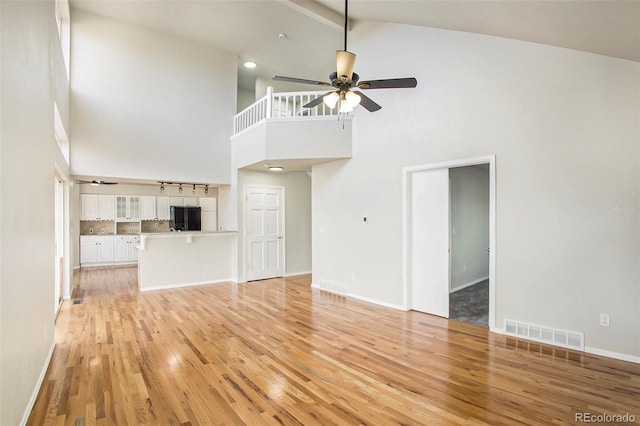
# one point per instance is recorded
(250, 28)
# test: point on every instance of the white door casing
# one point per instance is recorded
(264, 232)
(430, 242)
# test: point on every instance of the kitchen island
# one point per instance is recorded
(180, 259)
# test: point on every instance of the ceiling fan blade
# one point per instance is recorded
(345, 62)
(391, 83)
(367, 103)
(300, 80)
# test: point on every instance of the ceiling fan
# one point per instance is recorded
(96, 182)
(344, 79)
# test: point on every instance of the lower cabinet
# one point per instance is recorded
(97, 250)
(126, 248)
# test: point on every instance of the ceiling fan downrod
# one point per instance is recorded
(346, 22)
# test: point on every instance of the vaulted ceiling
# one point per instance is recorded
(312, 29)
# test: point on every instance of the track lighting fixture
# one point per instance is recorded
(194, 186)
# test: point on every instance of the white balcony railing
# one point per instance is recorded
(280, 105)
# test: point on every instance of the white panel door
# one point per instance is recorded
(430, 242)
(264, 221)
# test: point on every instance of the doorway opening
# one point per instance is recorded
(434, 258)
(469, 244)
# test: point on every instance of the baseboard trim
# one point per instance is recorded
(377, 302)
(191, 284)
(496, 330)
(469, 284)
(614, 355)
(36, 390)
(295, 274)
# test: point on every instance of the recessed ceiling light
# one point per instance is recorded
(250, 64)
(276, 168)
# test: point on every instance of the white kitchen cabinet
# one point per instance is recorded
(148, 207)
(96, 250)
(209, 213)
(177, 201)
(125, 250)
(127, 207)
(97, 207)
(191, 201)
(163, 208)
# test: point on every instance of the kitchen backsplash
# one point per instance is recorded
(155, 226)
(97, 227)
(127, 228)
(110, 227)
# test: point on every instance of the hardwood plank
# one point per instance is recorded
(278, 352)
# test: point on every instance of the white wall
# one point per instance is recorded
(149, 105)
(32, 78)
(564, 126)
(469, 189)
(245, 98)
(297, 191)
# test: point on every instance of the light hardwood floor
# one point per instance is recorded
(279, 352)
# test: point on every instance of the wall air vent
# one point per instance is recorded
(552, 336)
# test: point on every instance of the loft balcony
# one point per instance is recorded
(277, 130)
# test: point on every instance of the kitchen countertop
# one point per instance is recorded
(181, 233)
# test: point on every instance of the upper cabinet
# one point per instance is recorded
(148, 207)
(143, 207)
(127, 207)
(191, 201)
(177, 201)
(184, 201)
(163, 210)
(97, 207)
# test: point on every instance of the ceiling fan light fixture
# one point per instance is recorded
(352, 99)
(331, 99)
(345, 108)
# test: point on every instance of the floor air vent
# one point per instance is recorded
(330, 286)
(538, 333)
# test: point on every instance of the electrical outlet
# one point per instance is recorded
(604, 320)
